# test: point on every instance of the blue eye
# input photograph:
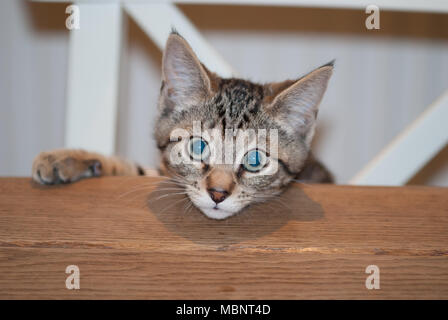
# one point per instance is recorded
(198, 146)
(254, 160)
(198, 149)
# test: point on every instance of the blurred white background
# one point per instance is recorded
(383, 79)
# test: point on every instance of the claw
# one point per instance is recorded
(95, 168)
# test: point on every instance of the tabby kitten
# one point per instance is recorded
(191, 94)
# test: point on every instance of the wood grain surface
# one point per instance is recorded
(130, 241)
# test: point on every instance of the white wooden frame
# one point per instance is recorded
(93, 72)
(158, 19)
(417, 144)
(92, 81)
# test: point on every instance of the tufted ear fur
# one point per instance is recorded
(185, 80)
(296, 102)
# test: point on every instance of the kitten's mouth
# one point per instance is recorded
(214, 210)
(216, 213)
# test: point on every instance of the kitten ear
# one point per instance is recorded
(296, 105)
(185, 81)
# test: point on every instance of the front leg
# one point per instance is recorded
(68, 165)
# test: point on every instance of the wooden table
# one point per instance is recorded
(130, 242)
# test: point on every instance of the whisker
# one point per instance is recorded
(146, 186)
(169, 189)
(187, 207)
(276, 199)
(176, 202)
(165, 182)
(132, 198)
(167, 195)
(153, 191)
(125, 179)
(190, 208)
(136, 189)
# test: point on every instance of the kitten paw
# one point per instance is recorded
(61, 167)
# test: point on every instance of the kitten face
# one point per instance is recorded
(231, 142)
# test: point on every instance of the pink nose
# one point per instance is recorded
(218, 195)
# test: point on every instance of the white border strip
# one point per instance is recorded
(392, 5)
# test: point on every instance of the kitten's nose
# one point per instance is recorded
(218, 195)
